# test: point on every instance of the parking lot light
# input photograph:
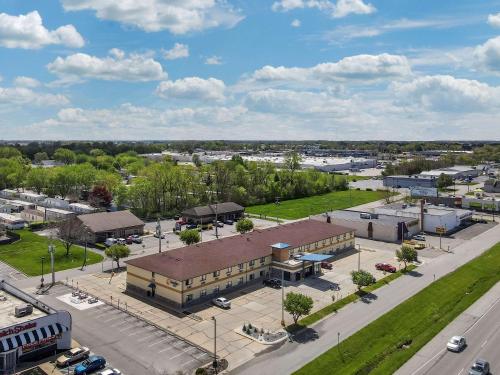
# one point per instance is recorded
(214, 364)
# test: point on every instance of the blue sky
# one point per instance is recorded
(234, 69)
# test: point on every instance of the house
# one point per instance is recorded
(12, 222)
(195, 273)
(31, 215)
(32, 197)
(81, 208)
(55, 203)
(207, 214)
(9, 193)
(103, 225)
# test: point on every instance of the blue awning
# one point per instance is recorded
(280, 245)
(314, 257)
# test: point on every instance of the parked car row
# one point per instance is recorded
(85, 362)
(273, 283)
(135, 238)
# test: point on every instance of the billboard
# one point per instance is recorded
(419, 191)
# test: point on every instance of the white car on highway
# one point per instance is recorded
(456, 344)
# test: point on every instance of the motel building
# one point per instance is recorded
(196, 273)
(32, 332)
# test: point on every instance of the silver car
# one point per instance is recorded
(222, 302)
(456, 344)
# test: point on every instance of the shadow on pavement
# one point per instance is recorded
(306, 335)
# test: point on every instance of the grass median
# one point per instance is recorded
(387, 343)
(303, 207)
(337, 305)
(25, 255)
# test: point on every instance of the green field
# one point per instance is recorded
(302, 207)
(25, 254)
(387, 343)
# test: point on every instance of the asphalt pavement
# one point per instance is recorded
(322, 336)
(479, 324)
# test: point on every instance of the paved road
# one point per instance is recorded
(9, 273)
(479, 324)
(132, 345)
(322, 336)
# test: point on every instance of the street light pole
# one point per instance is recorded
(51, 252)
(282, 298)
(216, 223)
(42, 280)
(158, 233)
(214, 364)
(359, 257)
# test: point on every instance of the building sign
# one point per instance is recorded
(16, 329)
(419, 191)
(440, 230)
(38, 344)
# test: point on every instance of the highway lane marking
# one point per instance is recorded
(484, 343)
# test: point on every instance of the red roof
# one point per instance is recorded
(203, 258)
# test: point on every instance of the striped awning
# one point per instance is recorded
(32, 336)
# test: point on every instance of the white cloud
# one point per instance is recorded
(295, 23)
(487, 55)
(494, 20)
(176, 16)
(27, 31)
(193, 88)
(116, 67)
(361, 68)
(23, 81)
(341, 8)
(213, 60)
(178, 51)
(444, 93)
(14, 96)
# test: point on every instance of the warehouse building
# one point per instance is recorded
(195, 273)
(380, 227)
(456, 172)
(29, 329)
(409, 181)
(103, 225)
(431, 217)
(207, 214)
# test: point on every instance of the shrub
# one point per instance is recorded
(100, 246)
(369, 189)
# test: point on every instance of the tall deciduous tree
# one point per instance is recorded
(297, 305)
(244, 225)
(362, 278)
(117, 252)
(100, 196)
(190, 236)
(406, 255)
(70, 232)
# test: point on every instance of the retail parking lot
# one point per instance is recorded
(139, 347)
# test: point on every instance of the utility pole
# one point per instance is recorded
(158, 233)
(216, 222)
(359, 257)
(42, 280)
(282, 298)
(214, 364)
(84, 253)
(52, 249)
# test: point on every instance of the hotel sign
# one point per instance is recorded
(17, 329)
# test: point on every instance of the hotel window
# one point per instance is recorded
(216, 290)
(338, 238)
(152, 275)
(240, 281)
(240, 266)
(216, 273)
(229, 284)
(251, 263)
(203, 277)
(344, 236)
(262, 260)
(189, 282)
(229, 270)
(203, 293)
(261, 273)
(324, 242)
(331, 240)
(251, 276)
(189, 298)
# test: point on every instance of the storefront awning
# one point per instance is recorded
(314, 257)
(32, 336)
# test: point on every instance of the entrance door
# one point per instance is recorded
(8, 362)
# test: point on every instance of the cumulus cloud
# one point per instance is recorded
(23, 81)
(295, 23)
(444, 93)
(178, 51)
(193, 88)
(116, 67)
(178, 17)
(213, 60)
(14, 96)
(494, 20)
(27, 32)
(487, 55)
(361, 68)
(341, 8)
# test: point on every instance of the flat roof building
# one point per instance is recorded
(195, 273)
(410, 181)
(12, 222)
(24, 337)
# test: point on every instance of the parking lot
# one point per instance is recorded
(139, 347)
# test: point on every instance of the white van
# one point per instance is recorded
(110, 242)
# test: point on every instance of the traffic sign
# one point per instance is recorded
(440, 230)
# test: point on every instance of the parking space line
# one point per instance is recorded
(110, 319)
(147, 337)
(167, 349)
(159, 342)
(119, 324)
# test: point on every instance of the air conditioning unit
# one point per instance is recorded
(23, 310)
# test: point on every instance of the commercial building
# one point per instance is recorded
(409, 181)
(431, 217)
(103, 225)
(481, 204)
(198, 272)
(206, 214)
(456, 172)
(492, 186)
(380, 227)
(32, 336)
(12, 222)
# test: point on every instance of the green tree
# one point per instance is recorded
(190, 236)
(117, 252)
(70, 231)
(244, 225)
(362, 278)
(406, 255)
(297, 305)
(8, 152)
(64, 155)
(444, 181)
(37, 179)
(39, 157)
(196, 160)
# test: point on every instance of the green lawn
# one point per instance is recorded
(26, 254)
(387, 343)
(302, 207)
